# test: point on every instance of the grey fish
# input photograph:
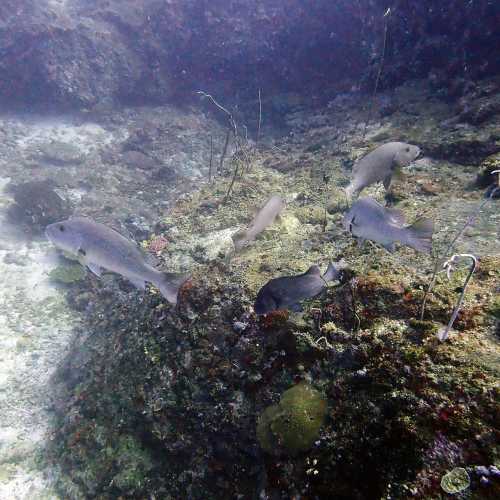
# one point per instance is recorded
(264, 218)
(369, 220)
(98, 246)
(380, 165)
(286, 292)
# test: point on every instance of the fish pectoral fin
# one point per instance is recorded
(352, 224)
(390, 247)
(387, 182)
(138, 283)
(96, 269)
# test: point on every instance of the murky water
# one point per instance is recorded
(108, 391)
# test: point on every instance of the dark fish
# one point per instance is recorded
(369, 220)
(380, 165)
(98, 246)
(286, 292)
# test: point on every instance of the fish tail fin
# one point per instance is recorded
(333, 272)
(420, 235)
(169, 285)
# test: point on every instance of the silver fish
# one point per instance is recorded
(286, 292)
(369, 220)
(380, 165)
(264, 218)
(98, 246)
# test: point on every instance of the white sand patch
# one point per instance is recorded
(35, 329)
(87, 137)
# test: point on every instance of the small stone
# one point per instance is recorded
(494, 471)
(61, 153)
(481, 470)
(484, 481)
(239, 326)
(455, 481)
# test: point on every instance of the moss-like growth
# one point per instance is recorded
(310, 214)
(455, 481)
(293, 425)
(67, 273)
(134, 462)
(265, 436)
(494, 308)
(423, 326)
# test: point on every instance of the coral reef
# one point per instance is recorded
(292, 425)
(37, 204)
(163, 401)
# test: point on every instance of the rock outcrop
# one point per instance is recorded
(84, 53)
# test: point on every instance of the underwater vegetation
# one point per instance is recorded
(260, 376)
(224, 402)
(294, 423)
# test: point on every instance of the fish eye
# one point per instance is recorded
(61, 228)
(407, 149)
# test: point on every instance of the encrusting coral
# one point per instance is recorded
(294, 424)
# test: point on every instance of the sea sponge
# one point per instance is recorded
(293, 425)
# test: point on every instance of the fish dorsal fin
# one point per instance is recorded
(314, 270)
(396, 215)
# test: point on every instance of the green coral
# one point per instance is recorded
(293, 425)
(67, 273)
(455, 481)
(494, 308)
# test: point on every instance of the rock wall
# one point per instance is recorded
(452, 42)
(80, 53)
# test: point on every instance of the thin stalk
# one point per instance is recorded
(237, 139)
(260, 119)
(443, 334)
(224, 151)
(379, 73)
(450, 247)
(326, 179)
(222, 108)
(230, 189)
(211, 159)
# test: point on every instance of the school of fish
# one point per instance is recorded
(99, 247)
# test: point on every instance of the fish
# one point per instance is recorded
(99, 247)
(264, 218)
(369, 220)
(380, 165)
(287, 291)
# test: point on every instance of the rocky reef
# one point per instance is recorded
(355, 396)
(87, 54)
